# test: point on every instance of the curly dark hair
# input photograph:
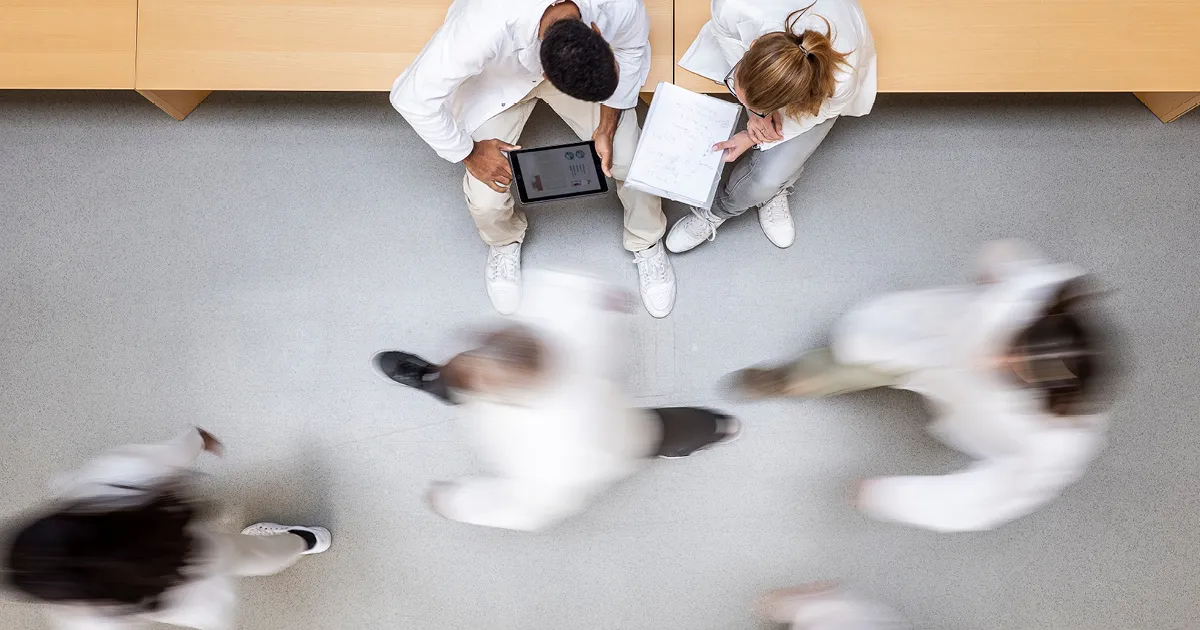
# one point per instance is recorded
(90, 553)
(578, 61)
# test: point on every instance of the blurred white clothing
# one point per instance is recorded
(944, 342)
(836, 610)
(553, 449)
(735, 24)
(207, 600)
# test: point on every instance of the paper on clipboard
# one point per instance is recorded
(674, 157)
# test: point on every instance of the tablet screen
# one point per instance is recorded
(559, 171)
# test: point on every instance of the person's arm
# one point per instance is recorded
(507, 503)
(631, 47)
(984, 496)
(603, 136)
(129, 469)
(630, 42)
(424, 93)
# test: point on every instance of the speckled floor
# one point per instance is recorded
(238, 270)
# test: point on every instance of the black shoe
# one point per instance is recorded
(406, 369)
(413, 371)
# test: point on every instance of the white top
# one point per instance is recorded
(559, 446)
(486, 58)
(944, 339)
(735, 24)
(207, 600)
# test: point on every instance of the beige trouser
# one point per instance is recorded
(500, 223)
(816, 374)
(250, 556)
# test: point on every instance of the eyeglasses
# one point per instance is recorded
(729, 86)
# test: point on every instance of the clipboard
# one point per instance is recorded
(674, 157)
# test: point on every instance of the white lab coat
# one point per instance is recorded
(485, 59)
(735, 24)
(208, 599)
(943, 339)
(554, 449)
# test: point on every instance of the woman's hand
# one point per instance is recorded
(764, 130)
(735, 146)
(211, 443)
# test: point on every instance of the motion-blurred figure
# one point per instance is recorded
(1011, 364)
(824, 606)
(125, 542)
(546, 409)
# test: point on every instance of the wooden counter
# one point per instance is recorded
(67, 44)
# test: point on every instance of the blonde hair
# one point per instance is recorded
(789, 70)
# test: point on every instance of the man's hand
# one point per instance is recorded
(603, 137)
(487, 164)
(735, 146)
(764, 130)
(211, 443)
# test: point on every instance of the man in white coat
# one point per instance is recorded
(471, 90)
(796, 66)
(1013, 367)
(543, 402)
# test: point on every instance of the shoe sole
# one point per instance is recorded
(771, 241)
(286, 529)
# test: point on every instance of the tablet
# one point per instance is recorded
(558, 172)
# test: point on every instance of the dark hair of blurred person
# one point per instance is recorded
(124, 557)
(1063, 357)
(508, 359)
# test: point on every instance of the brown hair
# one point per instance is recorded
(1064, 356)
(790, 71)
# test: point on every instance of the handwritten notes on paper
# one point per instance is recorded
(674, 157)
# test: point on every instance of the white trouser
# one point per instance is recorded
(499, 223)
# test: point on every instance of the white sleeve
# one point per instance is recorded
(424, 93)
(631, 47)
(511, 503)
(65, 618)
(982, 497)
(128, 469)
(1006, 259)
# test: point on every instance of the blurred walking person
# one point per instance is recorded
(126, 542)
(546, 409)
(1014, 366)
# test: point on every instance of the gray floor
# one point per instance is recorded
(237, 271)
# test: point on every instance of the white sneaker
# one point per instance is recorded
(324, 538)
(775, 217)
(503, 275)
(695, 228)
(656, 280)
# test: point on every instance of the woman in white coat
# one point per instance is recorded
(125, 543)
(795, 67)
(544, 404)
(1013, 367)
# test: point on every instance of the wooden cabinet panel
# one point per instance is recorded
(340, 45)
(1015, 45)
(67, 43)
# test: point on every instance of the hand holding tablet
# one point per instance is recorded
(488, 163)
(558, 172)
